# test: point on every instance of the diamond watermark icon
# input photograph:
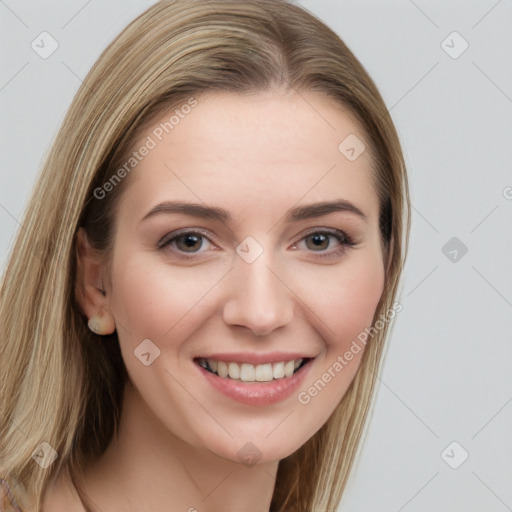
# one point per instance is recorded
(454, 45)
(44, 45)
(454, 249)
(44, 454)
(249, 249)
(249, 454)
(147, 352)
(351, 147)
(454, 455)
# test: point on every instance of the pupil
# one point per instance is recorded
(319, 241)
(190, 241)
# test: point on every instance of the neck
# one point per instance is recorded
(146, 467)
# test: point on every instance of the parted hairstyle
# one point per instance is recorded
(63, 385)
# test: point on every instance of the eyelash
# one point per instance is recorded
(344, 240)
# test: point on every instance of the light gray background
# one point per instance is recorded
(447, 375)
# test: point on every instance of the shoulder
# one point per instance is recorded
(61, 496)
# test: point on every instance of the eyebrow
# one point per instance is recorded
(220, 214)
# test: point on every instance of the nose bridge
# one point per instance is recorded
(257, 298)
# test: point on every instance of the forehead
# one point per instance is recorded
(268, 150)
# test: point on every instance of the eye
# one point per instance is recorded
(318, 241)
(193, 241)
(188, 242)
(321, 240)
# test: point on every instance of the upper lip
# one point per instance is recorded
(256, 358)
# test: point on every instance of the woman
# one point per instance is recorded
(194, 314)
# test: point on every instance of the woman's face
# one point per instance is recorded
(223, 254)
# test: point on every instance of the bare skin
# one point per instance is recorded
(257, 157)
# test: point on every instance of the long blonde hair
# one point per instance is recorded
(62, 387)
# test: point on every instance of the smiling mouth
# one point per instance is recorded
(247, 372)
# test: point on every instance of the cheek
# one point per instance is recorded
(344, 297)
(345, 313)
(156, 301)
(359, 293)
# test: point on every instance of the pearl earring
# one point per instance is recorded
(95, 324)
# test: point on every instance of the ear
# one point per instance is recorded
(89, 290)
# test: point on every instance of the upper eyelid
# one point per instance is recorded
(333, 232)
(185, 231)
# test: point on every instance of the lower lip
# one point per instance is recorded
(257, 393)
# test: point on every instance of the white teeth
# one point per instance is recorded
(278, 370)
(222, 369)
(264, 372)
(234, 371)
(289, 367)
(247, 372)
(250, 373)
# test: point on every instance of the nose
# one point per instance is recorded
(258, 297)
